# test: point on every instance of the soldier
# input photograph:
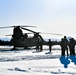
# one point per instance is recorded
(62, 48)
(41, 46)
(72, 46)
(37, 45)
(50, 44)
(64, 45)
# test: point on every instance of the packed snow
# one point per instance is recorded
(31, 62)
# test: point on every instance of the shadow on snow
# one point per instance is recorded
(41, 71)
(65, 60)
(28, 57)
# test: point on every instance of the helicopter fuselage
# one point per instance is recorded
(25, 42)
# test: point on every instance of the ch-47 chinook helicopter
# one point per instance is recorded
(22, 40)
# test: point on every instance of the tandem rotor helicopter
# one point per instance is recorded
(20, 39)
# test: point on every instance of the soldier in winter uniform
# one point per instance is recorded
(64, 46)
(72, 46)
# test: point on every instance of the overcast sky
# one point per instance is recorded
(54, 16)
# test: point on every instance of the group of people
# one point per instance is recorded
(67, 45)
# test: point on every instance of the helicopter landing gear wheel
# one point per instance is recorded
(26, 47)
(14, 48)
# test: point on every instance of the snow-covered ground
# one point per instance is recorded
(30, 62)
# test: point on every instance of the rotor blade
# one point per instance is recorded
(41, 33)
(12, 34)
(7, 27)
(27, 33)
(51, 33)
(16, 26)
(9, 35)
(27, 26)
(28, 30)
